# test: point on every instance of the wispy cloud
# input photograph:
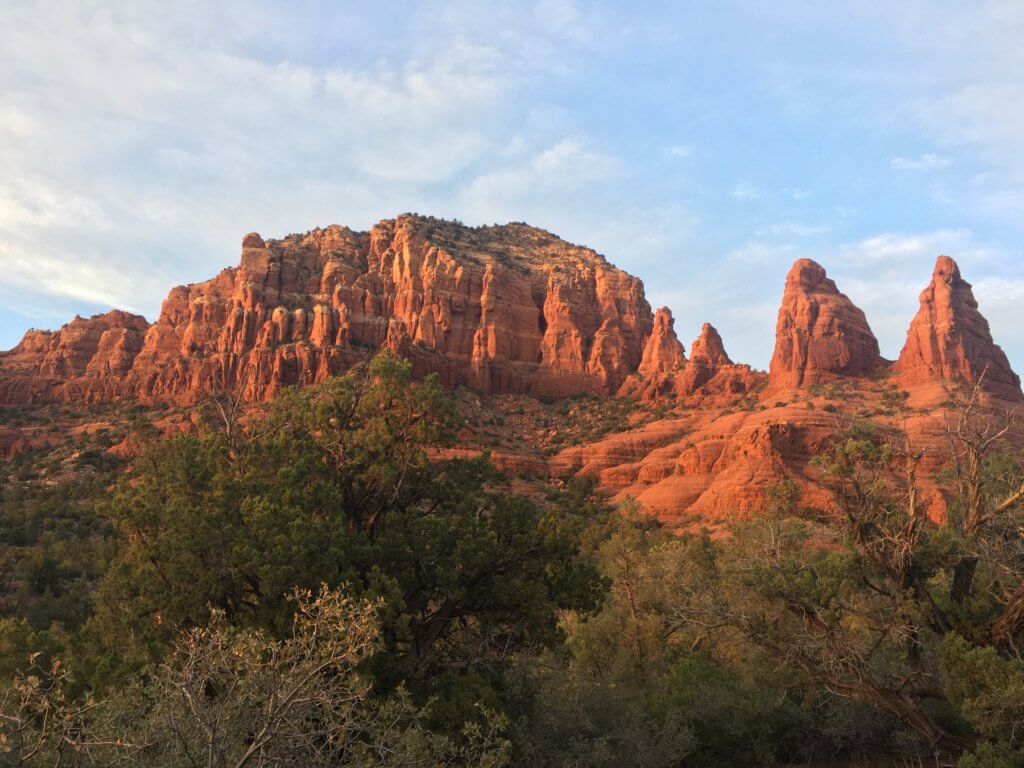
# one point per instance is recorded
(926, 162)
(569, 164)
(794, 229)
(745, 191)
(679, 151)
(761, 253)
(134, 131)
(900, 248)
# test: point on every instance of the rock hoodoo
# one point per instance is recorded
(949, 339)
(708, 376)
(708, 359)
(820, 333)
(708, 349)
(663, 352)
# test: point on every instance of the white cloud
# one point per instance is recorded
(140, 140)
(926, 162)
(761, 253)
(569, 164)
(794, 229)
(679, 151)
(899, 248)
(745, 191)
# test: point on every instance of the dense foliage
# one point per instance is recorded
(316, 584)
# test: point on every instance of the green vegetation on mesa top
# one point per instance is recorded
(307, 589)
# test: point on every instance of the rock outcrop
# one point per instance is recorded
(513, 310)
(950, 341)
(87, 360)
(503, 309)
(711, 372)
(709, 350)
(820, 334)
(708, 376)
(663, 352)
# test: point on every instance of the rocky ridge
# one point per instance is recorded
(504, 309)
(515, 314)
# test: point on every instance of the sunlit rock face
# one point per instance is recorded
(87, 359)
(514, 310)
(950, 341)
(820, 333)
(500, 309)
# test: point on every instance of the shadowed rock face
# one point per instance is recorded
(820, 334)
(501, 309)
(949, 339)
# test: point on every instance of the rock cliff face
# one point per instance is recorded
(87, 359)
(501, 309)
(949, 339)
(513, 310)
(820, 333)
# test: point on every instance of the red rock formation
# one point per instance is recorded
(663, 353)
(516, 310)
(502, 309)
(707, 464)
(949, 339)
(86, 359)
(710, 365)
(663, 356)
(820, 334)
(708, 376)
(708, 349)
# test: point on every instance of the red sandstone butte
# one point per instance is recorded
(502, 309)
(515, 310)
(820, 334)
(950, 341)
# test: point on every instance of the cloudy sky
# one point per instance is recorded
(702, 146)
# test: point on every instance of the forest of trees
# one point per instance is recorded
(307, 588)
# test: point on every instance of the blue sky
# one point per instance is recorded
(702, 146)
